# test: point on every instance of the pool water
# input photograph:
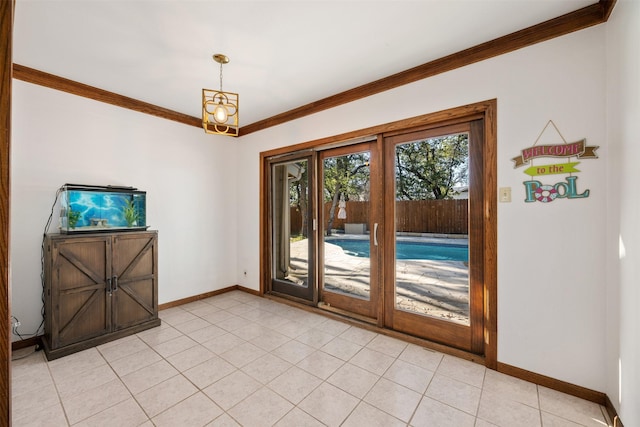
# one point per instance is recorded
(408, 250)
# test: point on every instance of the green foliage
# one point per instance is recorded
(130, 213)
(431, 168)
(346, 176)
(73, 218)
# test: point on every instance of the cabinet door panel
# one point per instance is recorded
(133, 303)
(80, 300)
(135, 266)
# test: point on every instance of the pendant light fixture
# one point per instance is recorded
(220, 109)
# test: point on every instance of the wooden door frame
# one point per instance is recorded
(465, 337)
(6, 36)
(368, 309)
(485, 110)
(266, 255)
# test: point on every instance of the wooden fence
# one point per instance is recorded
(415, 216)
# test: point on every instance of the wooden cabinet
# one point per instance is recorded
(98, 287)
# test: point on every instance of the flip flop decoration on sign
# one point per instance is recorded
(535, 190)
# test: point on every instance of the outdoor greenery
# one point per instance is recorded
(347, 178)
(432, 168)
(427, 169)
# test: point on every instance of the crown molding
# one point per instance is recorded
(586, 17)
(31, 75)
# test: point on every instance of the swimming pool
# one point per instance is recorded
(408, 250)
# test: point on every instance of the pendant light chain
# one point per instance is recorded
(221, 77)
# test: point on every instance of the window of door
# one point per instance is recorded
(292, 227)
(434, 207)
(404, 225)
(349, 214)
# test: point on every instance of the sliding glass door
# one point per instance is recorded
(292, 230)
(391, 231)
(349, 211)
(434, 254)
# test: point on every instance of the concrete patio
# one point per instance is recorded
(433, 288)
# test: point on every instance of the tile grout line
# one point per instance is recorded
(484, 378)
(424, 393)
(53, 383)
(309, 323)
(55, 386)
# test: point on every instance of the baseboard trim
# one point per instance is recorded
(20, 344)
(564, 387)
(247, 290)
(539, 379)
(198, 297)
(37, 340)
(613, 414)
(552, 383)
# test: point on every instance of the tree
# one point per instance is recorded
(345, 177)
(298, 197)
(432, 168)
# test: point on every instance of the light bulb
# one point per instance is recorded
(220, 113)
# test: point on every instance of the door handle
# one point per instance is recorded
(375, 234)
(109, 286)
(115, 283)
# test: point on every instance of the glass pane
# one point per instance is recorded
(291, 223)
(346, 225)
(431, 227)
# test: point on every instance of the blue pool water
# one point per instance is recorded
(408, 250)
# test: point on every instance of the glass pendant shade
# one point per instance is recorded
(220, 114)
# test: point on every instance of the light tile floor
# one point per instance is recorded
(238, 359)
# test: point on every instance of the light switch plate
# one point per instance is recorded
(505, 194)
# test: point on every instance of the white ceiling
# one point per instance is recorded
(284, 54)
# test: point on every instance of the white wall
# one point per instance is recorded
(623, 231)
(191, 197)
(203, 192)
(551, 269)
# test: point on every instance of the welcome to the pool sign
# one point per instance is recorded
(535, 189)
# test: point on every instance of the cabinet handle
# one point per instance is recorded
(109, 286)
(115, 283)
